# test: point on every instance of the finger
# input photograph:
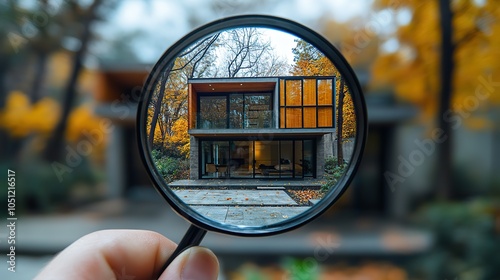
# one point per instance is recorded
(196, 263)
(111, 254)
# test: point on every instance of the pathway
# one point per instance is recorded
(241, 206)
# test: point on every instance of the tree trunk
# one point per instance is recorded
(4, 139)
(156, 112)
(41, 62)
(53, 150)
(444, 180)
(340, 120)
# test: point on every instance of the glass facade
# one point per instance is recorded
(235, 110)
(213, 112)
(257, 159)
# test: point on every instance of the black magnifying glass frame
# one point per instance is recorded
(164, 65)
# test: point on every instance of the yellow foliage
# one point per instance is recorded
(13, 117)
(44, 116)
(180, 137)
(80, 120)
(349, 117)
(414, 71)
(20, 118)
(58, 69)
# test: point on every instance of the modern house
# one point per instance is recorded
(273, 127)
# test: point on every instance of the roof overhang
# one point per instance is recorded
(260, 133)
(234, 84)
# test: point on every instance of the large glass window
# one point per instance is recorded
(267, 158)
(308, 160)
(257, 159)
(241, 161)
(213, 112)
(246, 110)
(236, 113)
(258, 111)
(214, 159)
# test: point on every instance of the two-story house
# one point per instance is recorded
(273, 127)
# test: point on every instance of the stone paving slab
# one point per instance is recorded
(249, 215)
(234, 197)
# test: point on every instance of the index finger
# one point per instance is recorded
(111, 254)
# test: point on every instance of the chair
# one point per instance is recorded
(221, 170)
(210, 168)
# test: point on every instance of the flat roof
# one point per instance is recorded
(233, 84)
(260, 132)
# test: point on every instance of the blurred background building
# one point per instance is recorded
(424, 204)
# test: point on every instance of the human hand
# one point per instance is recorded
(129, 255)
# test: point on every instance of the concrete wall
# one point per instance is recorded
(347, 148)
(193, 158)
(320, 151)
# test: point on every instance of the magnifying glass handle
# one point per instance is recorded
(193, 237)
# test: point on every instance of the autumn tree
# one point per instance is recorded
(86, 17)
(241, 52)
(309, 61)
(413, 70)
(169, 101)
(169, 104)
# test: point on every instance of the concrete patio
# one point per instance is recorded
(242, 206)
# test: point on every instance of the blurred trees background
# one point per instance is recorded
(46, 106)
(445, 63)
(41, 111)
(413, 70)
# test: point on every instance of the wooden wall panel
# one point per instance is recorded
(293, 93)
(192, 106)
(293, 117)
(325, 117)
(282, 92)
(309, 117)
(282, 117)
(309, 92)
(325, 92)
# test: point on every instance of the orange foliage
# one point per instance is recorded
(413, 70)
(349, 117)
(13, 116)
(180, 137)
(80, 120)
(20, 118)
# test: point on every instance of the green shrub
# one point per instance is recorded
(466, 240)
(171, 168)
(333, 172)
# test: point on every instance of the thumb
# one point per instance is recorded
(195, 263)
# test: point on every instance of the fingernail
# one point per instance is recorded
(200, 265)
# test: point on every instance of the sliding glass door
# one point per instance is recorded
(257, 159)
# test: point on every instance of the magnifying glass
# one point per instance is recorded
(243, 120)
